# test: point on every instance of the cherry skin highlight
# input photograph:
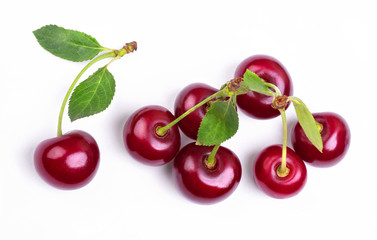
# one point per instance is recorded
(142, 141)
(203, 184)
(267, 179)
(69, 161)
(335, 137)
(257, 105)
(190, 96)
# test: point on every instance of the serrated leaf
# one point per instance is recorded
(219, 124)
(68, 44)
(92, 95)
(256, 84)
(308, 123)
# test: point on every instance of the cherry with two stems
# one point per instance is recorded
(70, 160)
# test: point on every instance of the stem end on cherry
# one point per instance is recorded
(282, 171)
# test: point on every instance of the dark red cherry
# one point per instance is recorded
(201, 183)
(335, 136)
(257, 105)
(267, 179)
(143, 142)
(69, 161)
(190, 96)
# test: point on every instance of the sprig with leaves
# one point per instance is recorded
(220, 122)
(94, 94)
(280, 102)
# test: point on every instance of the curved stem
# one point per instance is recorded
(277, 90)
(162, 130)
(211, 160)
(106, 55)
(283, 170)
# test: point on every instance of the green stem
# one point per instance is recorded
(211, 160)
(106, 55)
(162, 130)
(277, 90)
(283, 170)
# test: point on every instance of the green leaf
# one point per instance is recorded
(68, 44)
(219, 124)
(92, 95)
(308, 123)
(256, 84)
(244, 88)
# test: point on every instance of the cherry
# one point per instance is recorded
(69, 161)
(204, 183)
(188, 98)
(267, 178)
(335, 137)
(272, 71)
(142, 140)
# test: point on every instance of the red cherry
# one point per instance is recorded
(335, 136)
(267, 179)
(201, 183)
(257, 105)
(142, 141)
(190, 96)
(69, 161)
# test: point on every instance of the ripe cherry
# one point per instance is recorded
(142, 140)
(335, 136)
(204, 183)
(188, 98)
(272, 71)
(69, 161)
(267, 178)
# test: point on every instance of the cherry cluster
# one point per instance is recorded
(205, 174)
(205, 171)
(208, 174)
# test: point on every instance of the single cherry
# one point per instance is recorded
(266, 177)
(202, 182)
(190, 96)
(142, 140)
(272, 71)
(69, 161)
(335, 137)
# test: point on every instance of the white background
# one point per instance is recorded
(328, 47)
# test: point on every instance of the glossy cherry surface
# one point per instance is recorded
(69, 161)
(335, 136)
(142, 141)
(257, 105)
(267, 179)
(201, 184)
(190, 96)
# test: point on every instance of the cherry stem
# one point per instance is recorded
(283, 171)
(106, 55)
(115, 54)
(276, 89)
(211, 160)
(162, 130)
